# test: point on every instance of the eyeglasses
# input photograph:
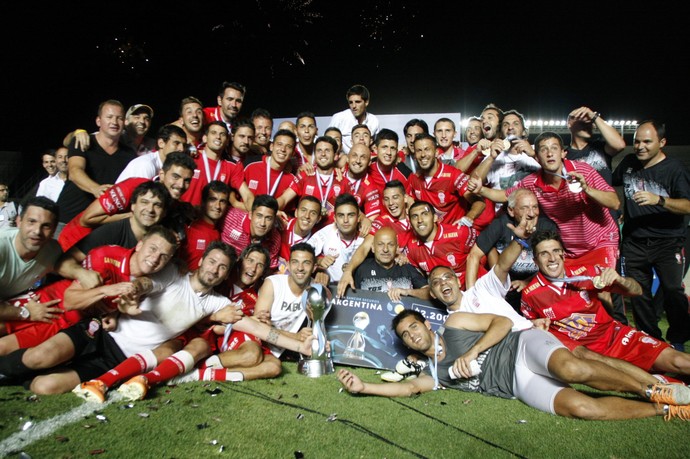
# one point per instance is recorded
(442, 279)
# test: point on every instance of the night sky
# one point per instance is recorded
(63, 59)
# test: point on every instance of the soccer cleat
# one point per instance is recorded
(670, 394)
(135, 389)
(91, 391)
(680, 412)
(404, 369)
(408, 367)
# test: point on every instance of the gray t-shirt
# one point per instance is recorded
(497, 363)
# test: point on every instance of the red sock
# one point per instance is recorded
(177, 364)
(132, 366)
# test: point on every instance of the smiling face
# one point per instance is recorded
(385, 247)
(49, 164)
(307, 215)
(490, 119)
(423, 222)
(394, 201)
(252, 268)
(550, 258)
(358, 160)
(325, 156)
(231, 103)
(647, 144)
(148, 210)
(302, 265)
(216, 139)
(192, 117)
(282, 149)
(36, 228)
(415, 334)
(444, 286)
(151, 255)
(473, 131)
(262, 131)
(176, 179)
(138, 124)
(425, 154)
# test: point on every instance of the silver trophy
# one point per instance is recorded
(317, 301)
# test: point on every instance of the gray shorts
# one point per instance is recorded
(533, 384)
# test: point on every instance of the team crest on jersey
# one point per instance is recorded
(309, 189)
(253, 184)
(336, 189)
(201, 244)
(442, 198)
(424, 266)
(418, 194)
(549, 313)
(451, 259)
(197, 173)
(223, 177)
(94, 326)
(585, 296)
(646, 339)
(236, 234)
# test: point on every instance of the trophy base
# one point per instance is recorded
(315, 368)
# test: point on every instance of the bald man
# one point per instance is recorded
(381, 273)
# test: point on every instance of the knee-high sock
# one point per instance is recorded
(178, 363)
(134, 365)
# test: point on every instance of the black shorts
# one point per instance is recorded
(95, 351)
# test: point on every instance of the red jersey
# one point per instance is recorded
(449, 248)
(261, 179)
(212, 114)
(237, 232)
(574, 309)
(401, 228)
(208, 170)
(367, 195)
(115, 200)
(458, 153)
(380, 178)
(323, 188)
(584, 224)
(445, 191)
(200, 234)
(477, 160)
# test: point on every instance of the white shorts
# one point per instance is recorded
(533, 384)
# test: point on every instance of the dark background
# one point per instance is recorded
(62, 59)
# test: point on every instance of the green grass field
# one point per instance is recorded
(295, 416)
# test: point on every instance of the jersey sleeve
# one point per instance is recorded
(116, 199)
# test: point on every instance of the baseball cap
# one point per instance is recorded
(139, 108)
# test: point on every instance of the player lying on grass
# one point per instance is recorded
(478, 353)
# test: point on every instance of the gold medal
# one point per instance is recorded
(598, 283)
(324, 211)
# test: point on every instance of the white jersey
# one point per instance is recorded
(51, 187)
(327, 241)
(345, 121)
(172, 308)
(145, 166)
(487, 297)
(287, 313)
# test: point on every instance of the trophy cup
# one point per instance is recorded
(317, 301)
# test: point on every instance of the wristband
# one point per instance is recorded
(662, 201)
(596, 115)
(522, 242)
(78, 131)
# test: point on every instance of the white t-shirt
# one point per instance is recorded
(145, 166)
(345, 121)
(327, 241)
(487, 297)
(172, 308)
(287, 312)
